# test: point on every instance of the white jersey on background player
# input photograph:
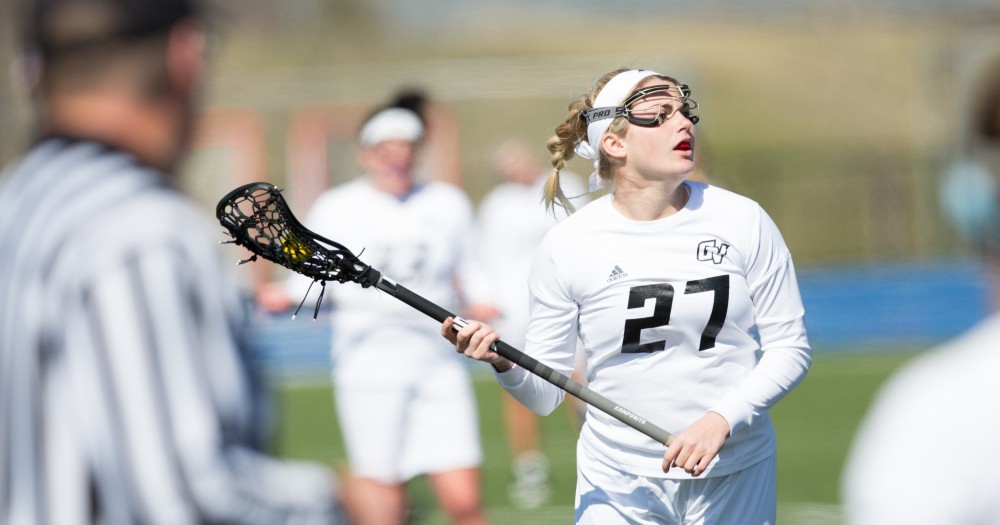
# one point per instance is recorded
(948, 399)
(420, 242)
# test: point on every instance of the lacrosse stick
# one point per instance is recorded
(257, 218)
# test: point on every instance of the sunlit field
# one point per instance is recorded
(815, 425)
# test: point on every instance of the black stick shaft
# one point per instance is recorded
(535, 367)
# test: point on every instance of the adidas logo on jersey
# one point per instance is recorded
(617, 273)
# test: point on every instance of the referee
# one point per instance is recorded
(125, 391)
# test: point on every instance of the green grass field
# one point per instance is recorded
(815, 425)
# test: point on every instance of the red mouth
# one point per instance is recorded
(685, 145)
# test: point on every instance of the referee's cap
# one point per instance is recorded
(54, 25)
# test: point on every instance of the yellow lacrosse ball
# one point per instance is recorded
(296, 249)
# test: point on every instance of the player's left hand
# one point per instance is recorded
(698, 445)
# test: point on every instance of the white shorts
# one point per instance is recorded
(608, 496)
(396, 431)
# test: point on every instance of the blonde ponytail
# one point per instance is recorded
(561, 146)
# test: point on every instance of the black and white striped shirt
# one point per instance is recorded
(125, 392)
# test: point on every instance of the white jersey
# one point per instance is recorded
(512, 222)
(420, 242)
(670, 313)
(944, 406)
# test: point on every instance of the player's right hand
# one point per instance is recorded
(475, 341)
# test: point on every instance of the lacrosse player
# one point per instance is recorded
(686, 301)
(943, 409)
(126, 395)
(404, 400)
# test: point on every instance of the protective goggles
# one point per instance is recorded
(649, 115)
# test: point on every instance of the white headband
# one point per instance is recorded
(392, 123)
(612, 94)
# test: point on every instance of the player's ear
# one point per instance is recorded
(613, 146)
(186, 46)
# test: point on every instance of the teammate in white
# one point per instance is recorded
(670, 284)
(512, 221)
(405, 402)
(940, 411)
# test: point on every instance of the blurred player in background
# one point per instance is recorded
(404, 400)
(926, 452)
(126, 395)
(512, 221)
(670, 284)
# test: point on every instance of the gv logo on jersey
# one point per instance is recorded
(712, 250)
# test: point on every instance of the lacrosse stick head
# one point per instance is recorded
(257, 217)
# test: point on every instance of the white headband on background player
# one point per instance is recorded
(391, 124)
